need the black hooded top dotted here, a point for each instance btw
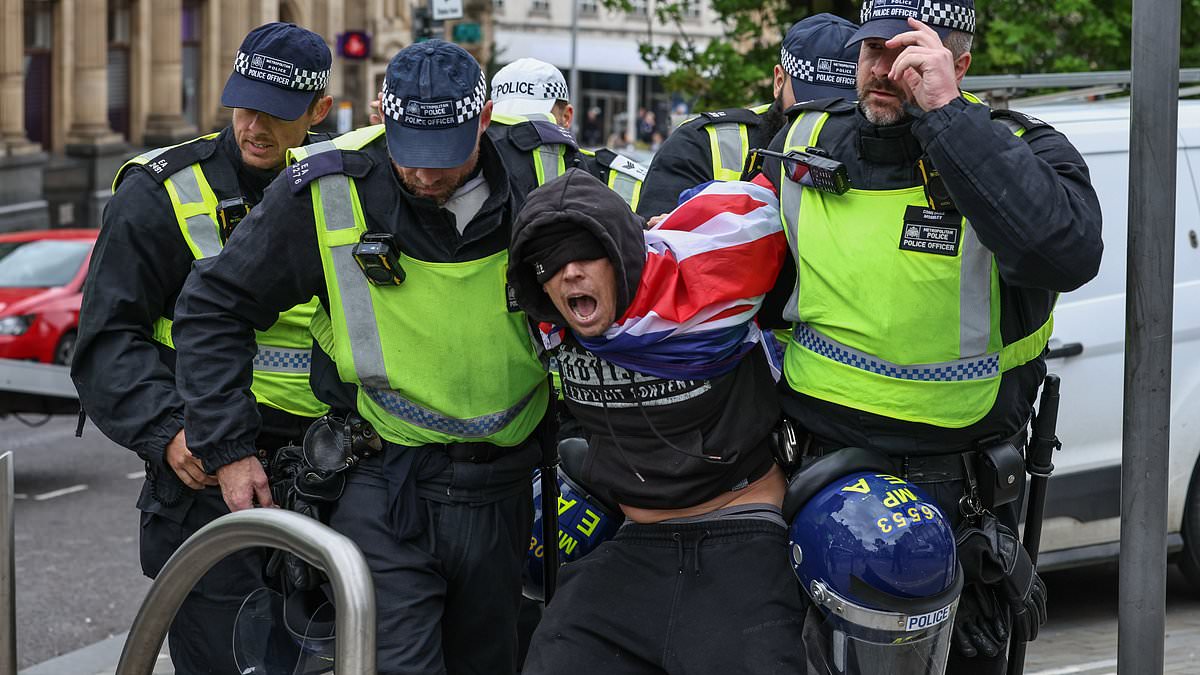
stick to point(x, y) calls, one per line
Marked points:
point(655, 443)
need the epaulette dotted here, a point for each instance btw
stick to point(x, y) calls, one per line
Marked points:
point(1029, 122)
point(166, 163)
point(535, 133)
point(829, 105)
point(615, 161)
point(728, 115)
point(353, 163)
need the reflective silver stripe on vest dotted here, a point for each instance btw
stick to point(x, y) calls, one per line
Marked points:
point(280, 360)
point(791, 195)
point(729, 146)
point(149, 155)
point(420, 416)
point(202, 228)
point(357, 307)
point(548, 158)
point(962, 370)
point(974, 295)
point(625, 186)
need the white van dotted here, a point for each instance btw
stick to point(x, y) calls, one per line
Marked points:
point(1083, 506)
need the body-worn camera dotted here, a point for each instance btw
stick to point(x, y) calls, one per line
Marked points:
point(375, 254)
point(810, 167)
point(230, 212)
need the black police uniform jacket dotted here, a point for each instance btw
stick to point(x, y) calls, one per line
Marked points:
point(125, 379)
point(684, 160)
point(273, 263)
point(1031, 202)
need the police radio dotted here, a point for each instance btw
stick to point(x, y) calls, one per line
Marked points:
point(811, 167)
point(375, 254)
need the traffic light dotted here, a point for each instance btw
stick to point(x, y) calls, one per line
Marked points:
point(354, 44)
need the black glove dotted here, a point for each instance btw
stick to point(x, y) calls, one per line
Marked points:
point(991, 555)
point(297, 487)
point(981, 622)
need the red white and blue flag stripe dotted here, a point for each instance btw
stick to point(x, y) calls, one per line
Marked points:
point(708, 266)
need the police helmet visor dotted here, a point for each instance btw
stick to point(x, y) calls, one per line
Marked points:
point(263, 645)
point(838, 647)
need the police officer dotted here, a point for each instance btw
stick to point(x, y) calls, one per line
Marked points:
point(922, 303)
point(814, 67)
point(401, 232)
point(531, 95)
point(172, 206)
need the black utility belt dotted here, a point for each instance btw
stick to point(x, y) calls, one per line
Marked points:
point(992, 470)
point(475, 453)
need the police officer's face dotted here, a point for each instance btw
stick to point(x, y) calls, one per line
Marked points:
point(881, 99)
point(440, 184)
point(264, 139)
point(585, 293)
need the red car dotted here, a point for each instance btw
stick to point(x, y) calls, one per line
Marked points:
point(41, 288)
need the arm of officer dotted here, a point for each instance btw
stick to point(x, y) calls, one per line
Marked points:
point(138, 264)
point(270, 264)
point(1029, 199)
point(683, 161)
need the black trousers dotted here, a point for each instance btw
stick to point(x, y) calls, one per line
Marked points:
point(694, 599)
point(447, 599)
point(201, 635)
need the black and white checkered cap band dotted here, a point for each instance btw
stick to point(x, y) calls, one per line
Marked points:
point(465, 108)
point(801, 69)
point(298, 78)
point(950, 15)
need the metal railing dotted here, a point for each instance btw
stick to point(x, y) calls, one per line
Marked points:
point(337, 556)
point(8, 568)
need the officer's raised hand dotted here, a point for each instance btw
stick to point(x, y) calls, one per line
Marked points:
point(244, 484)
point(925, 69)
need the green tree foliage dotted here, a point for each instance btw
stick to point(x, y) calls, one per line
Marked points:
point(1014, 36)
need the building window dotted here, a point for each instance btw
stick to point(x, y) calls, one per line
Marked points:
point(589, 7)
point(191, 32)
point(119, 29)
point(639, 8)
point(691, 10)
point(540, 7)
point(498, 6)
point(39, 42)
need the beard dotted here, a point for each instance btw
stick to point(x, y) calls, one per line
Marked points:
point(877, 114)
point(773, 120)
point(444, 189)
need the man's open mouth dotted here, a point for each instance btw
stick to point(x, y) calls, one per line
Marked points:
point(582, 306)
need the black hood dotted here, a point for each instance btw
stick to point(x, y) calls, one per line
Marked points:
point(578, 198)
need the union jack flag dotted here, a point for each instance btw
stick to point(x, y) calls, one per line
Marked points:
point(708, 266)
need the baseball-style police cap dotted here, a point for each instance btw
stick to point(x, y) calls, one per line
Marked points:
point(277, 70)
point(527, 86)
point(817, 59)
point(432, 96)
point(888, 18)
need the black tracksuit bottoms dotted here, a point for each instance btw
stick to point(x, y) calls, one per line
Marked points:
point(713, 597)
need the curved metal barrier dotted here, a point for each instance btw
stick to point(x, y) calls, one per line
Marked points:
point(353, 590)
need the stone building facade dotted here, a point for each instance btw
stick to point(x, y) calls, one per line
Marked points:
point(85, 84)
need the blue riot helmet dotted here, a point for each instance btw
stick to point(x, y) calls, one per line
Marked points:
point(877, 558)
point(584, 521)
point(274, 634)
